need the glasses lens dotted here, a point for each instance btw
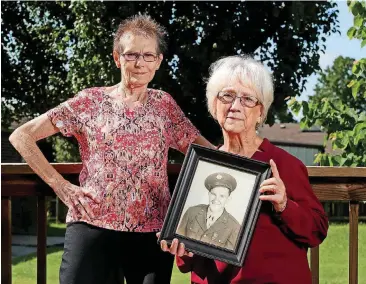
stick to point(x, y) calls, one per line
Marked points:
point(249, 101)
point(130, 56)
point(148, 57)
point(226, 97)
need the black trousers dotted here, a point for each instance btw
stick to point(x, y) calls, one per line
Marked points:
point(94, 255)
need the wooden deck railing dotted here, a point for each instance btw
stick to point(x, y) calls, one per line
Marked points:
point(18, 180)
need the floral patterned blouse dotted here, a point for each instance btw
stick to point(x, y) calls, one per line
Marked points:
point(124, 154)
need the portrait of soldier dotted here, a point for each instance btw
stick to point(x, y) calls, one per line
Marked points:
point(211, 223)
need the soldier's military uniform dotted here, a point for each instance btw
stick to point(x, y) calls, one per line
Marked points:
point(224, 231)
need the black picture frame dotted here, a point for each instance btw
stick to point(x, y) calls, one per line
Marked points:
point(197, 159)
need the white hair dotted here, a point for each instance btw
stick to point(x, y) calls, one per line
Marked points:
point(243, 69)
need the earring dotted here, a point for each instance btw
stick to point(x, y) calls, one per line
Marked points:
point(258, 124)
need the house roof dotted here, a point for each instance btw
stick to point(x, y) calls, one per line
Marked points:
point(292, 134)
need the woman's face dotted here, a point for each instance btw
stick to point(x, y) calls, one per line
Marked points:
point(235, 117)
point(137, 72)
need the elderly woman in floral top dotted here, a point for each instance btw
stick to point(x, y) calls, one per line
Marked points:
point(124, 133)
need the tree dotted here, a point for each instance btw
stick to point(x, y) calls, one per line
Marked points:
point(33, 71)
point(339, 103)
point(62, 47)
point(358, 31)
point(333, 81)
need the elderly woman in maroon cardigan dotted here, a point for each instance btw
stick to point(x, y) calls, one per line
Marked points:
point(239, 94)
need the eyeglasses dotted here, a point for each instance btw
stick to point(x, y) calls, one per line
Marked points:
point(229, 98)
point(148, 57)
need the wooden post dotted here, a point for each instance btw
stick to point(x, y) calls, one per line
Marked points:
point(353, 242)
point(6, 240)
point(41, 241)
point(314, 265)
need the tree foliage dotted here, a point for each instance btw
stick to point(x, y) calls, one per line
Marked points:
point(334, 81)
point(339, 103)
point(358, 31)
point(62, 47)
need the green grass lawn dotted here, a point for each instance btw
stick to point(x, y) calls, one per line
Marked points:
point(57, 230)
point(333, 259)
point(334, 255)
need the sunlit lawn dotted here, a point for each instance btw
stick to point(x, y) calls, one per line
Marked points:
point(333, 260)
point(334, 255)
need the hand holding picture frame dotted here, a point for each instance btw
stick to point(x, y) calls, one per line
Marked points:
point(215, 204)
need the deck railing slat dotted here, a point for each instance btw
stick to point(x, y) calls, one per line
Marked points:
point(5, 239)
point(41, 240)
point(353, 242)
point(314, 264)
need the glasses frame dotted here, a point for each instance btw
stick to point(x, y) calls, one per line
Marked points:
point(138, 55)
point(235, 96)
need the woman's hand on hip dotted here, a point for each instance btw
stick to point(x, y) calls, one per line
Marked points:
point(175, 248)
point(274, 190)
point(77, 198)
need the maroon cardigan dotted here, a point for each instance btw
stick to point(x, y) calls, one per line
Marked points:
point(278, 250)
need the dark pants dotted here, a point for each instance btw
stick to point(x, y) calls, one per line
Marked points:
point(94, 255)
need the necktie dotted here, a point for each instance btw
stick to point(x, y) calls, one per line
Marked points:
point(209, 221)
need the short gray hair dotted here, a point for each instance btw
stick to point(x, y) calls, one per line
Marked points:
point(245, 69)
point(141, 24)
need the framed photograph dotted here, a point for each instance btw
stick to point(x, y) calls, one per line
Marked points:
point(215, 204)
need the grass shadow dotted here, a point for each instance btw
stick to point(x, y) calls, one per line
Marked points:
point(56, 230)
point(31, 256)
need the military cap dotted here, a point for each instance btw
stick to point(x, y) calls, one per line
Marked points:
point(220, 179)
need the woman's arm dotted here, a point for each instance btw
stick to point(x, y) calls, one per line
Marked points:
point(181, 129)
point(302, 218)
point(24, 141)
point(200, 140)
